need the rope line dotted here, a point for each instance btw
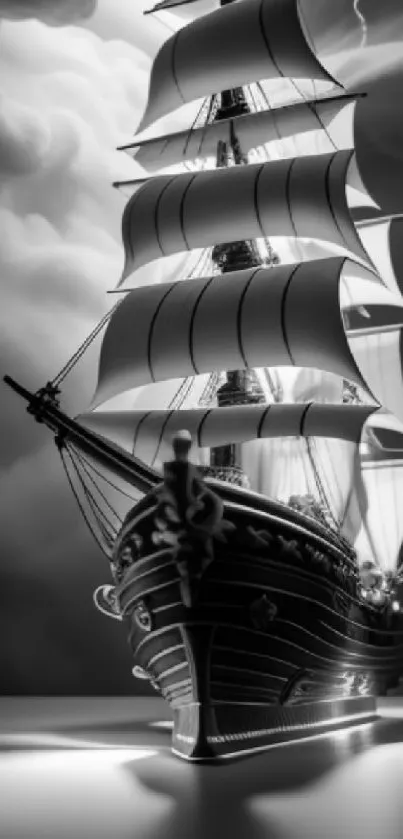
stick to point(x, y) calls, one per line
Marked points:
point(99, 515)
point(86, 470)
point(83, 512)
point(83, 347)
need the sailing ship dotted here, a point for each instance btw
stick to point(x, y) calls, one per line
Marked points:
point(238, 517)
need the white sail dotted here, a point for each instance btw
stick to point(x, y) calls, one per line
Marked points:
point(299, 384)
point(250, 318)
point(384, 433)
point(383, 242)
point(297, 197)
point(380, 361)
point(252, 130)
point(240, 43)
point(381, 535)
point(148, 434)
point(284, 467)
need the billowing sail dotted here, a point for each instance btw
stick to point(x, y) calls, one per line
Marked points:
point(380, 361)
point(148, 434)
point(250, 318)
point(383, 240)
point(381, 535)
point(252, 130)
point(297, 197)
point(284, 467)
point(384, 434)
point(300, 384)
point(240, 43)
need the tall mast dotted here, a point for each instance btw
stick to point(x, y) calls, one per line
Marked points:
point(241, 386)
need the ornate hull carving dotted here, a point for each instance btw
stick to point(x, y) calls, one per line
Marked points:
point(249, 622)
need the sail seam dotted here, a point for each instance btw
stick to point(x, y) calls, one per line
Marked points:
point(156, 213)
point(182, 210)
point(239, 313)
point(152, 327)
point(288, 197)
point(261, 422)
point(200, 428)
point(127, 220)
point(303, 419)
point(192, 321)
point(283, 314)
point(329, 200)
point(255, 200)
point(266, 41)
point(173, 64)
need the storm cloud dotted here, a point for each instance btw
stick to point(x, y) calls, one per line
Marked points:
point(51, 12)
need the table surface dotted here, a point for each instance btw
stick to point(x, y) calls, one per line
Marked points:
point(85, 767)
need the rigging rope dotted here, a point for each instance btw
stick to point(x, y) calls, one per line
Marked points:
point(96, 510)
point(86, 470)
point(63, 452)
point(107, 480)
point(83, 347)
point(311, 106)
point(322, 494)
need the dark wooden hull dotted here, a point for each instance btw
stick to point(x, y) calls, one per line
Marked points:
point(265, 641)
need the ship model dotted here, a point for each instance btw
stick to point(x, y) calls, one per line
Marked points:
point(237, 518)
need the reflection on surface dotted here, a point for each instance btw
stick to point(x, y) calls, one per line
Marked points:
point(70, 780)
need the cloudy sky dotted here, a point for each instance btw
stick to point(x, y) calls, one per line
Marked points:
point(74, 83)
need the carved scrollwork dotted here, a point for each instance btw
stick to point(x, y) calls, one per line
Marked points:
point(258, 538)
point(129, 552)
point(106, 601)
point(262, 612)
point(188, 518)
point(143, 616)
point(140, 673)
point(318, 558)
point(288, 549)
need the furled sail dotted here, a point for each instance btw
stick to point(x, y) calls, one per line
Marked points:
point(252, 130)
point(148, 434)
point(289, 315)
point(297, 197)
point(240, 43)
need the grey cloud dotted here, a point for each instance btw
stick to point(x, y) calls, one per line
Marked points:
point(52, 12)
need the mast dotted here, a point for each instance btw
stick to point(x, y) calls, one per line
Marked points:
point(241, 386)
